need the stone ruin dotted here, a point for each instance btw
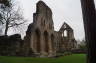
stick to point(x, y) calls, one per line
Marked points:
point(41, 39)
point(11, 45)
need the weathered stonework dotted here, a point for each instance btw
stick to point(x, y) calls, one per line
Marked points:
point(11, 45)
point(41, 37)
point(66, 41)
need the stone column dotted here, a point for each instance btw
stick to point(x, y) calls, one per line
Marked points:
point(51, 51)
point(33, 43)
point(42, 46)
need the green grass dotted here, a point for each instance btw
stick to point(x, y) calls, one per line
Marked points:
point(75, 58)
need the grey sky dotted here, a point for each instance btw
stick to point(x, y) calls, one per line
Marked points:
point(63, 11)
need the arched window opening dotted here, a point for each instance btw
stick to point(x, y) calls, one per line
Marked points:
point(46, 41)
point(37, 40)
point(65, 33)
point(44, 22)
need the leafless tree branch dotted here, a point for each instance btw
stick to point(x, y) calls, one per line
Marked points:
point(11, 17)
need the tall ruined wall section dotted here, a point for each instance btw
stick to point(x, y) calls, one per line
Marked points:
point(40, 33)
point(41, 39)
point(43, 16)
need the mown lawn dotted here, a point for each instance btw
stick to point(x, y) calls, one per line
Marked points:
point(75, 58)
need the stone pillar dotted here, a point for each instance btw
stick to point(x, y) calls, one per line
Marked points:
point(33, 42)
point(42, 46)
point(51, 51)
point(89, 17)
point(63, 34)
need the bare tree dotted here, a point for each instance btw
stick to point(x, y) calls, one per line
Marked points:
point(5, 2)
point(11, 16)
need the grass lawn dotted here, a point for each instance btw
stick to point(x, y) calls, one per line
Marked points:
point(75, 58)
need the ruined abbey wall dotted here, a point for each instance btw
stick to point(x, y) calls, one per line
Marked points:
point(41, 34)
point(41, 37)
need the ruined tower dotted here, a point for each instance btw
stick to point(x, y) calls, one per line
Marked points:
point(40, 33)
point(41, 39)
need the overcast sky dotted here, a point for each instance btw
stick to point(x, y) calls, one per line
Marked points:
point(63, 11)
point(68, 11)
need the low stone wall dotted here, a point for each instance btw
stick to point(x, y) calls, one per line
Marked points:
point(10, 45)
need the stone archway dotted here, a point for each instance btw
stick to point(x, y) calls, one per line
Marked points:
point(37, 40)
point(46, 41)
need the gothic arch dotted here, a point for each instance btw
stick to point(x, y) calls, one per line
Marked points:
point(37, 40)
point(46, 41)
point(65, 33)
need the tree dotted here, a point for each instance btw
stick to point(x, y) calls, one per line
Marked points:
point(82, 45)
point(89, 17)
point(5, 2)
point(11, 16)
